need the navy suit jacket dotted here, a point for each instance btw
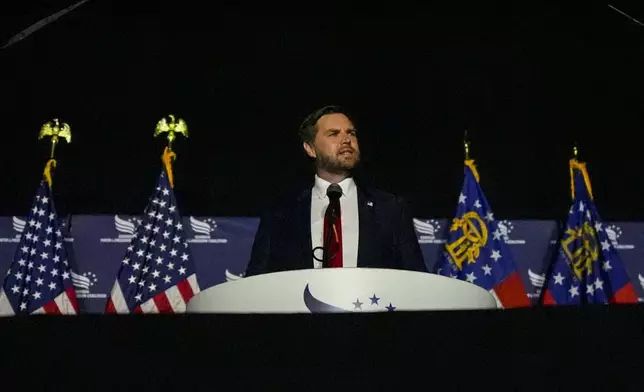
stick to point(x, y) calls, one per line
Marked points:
point(386, 235)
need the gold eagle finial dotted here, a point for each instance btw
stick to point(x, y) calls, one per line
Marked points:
point(171, 126)
point(56, 130)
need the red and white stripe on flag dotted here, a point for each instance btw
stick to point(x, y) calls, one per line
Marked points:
point(173, 300)
point(64, 304)
point(510, 293)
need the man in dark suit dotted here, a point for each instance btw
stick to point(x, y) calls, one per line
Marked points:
point(337, 222)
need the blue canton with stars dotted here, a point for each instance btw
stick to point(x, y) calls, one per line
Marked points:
point(40, 271)
point(475, 250)
point(158, 256)
point(588, 268)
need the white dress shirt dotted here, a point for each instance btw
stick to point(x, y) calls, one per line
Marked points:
point(349, 216)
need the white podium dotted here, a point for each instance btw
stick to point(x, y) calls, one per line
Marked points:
point(341, 290)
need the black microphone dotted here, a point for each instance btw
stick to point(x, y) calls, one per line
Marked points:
point(334, 191)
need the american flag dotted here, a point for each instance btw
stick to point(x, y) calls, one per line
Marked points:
point(476, 250)
point(39, 278)
point(157, 273)
point(588, 268)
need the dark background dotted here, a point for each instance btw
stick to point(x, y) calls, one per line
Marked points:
point(527, 80)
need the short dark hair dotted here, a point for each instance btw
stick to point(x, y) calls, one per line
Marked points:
point(309, 129)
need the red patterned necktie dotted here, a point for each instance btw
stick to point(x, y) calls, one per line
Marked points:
point(335, 239)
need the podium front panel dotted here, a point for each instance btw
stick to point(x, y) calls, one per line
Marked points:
point(341, 290)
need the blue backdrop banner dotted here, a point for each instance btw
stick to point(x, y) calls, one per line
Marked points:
point(221, 249)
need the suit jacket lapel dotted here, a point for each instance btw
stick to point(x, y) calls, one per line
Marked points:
point(368, 229)
point(303, 226)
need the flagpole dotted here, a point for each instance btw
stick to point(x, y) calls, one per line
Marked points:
point(60, 297)
point(171, 126)
point(55, 130)
point(466, 144)
point(164, 212)
point(583, 297)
